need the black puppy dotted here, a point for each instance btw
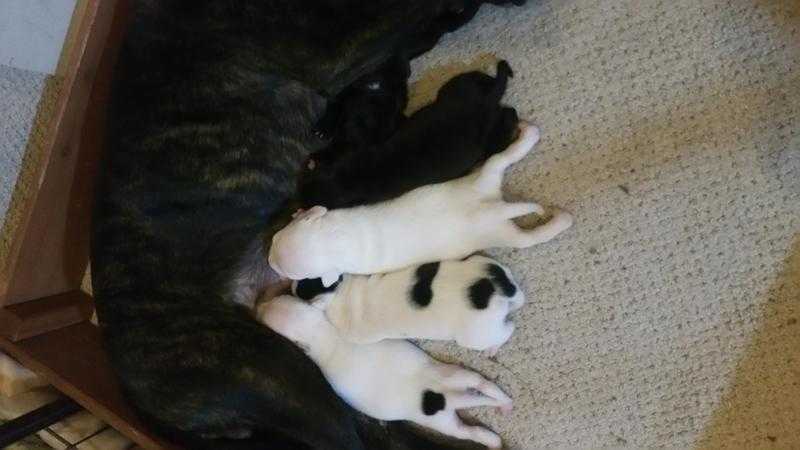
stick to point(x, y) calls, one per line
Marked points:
point(366, 113)
point(442, 141)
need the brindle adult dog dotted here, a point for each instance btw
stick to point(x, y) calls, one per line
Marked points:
point(214, 110)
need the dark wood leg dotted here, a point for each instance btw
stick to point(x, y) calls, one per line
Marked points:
point(36, 420)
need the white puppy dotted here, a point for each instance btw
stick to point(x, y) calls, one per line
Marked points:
point(389, 380)
point(441, 221)
point(467, 301)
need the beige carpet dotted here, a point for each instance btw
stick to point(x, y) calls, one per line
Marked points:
point(20, 92)
point(668, 317)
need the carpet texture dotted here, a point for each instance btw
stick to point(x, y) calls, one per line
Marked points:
point(668, 316)
point(28, 106)
point(20, 91)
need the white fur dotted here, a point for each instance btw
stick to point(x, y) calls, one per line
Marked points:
point(367, 309)
point(442, 221)
point(386, 380)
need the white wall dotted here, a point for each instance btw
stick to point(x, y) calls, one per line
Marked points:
point(32, 33)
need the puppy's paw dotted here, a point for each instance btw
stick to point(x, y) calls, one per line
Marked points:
point(506, 409)
point(493, 441)
point(562, 220)
point(528, 132)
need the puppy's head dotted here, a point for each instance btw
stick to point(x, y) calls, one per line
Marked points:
point(304, 249)
point(293, 319)
point(493, 280)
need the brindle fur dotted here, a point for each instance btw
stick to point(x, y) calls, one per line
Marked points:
point(214, 111)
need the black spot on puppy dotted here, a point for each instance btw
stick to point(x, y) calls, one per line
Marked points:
point(427, 271)
point(480, 292)
point(422, 292)
point(432, 402)
point(501, 280)
point(310, 288)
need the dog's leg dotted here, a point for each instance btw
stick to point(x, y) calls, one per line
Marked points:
point(470, 399)
point(470, 389)
point(490, 176)
point(512, 236)
point(505, 211)
point(458, 378)
point(447, 422)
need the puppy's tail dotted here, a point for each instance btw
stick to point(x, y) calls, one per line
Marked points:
point(504, 72)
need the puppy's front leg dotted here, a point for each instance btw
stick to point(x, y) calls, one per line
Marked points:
point(447, 422)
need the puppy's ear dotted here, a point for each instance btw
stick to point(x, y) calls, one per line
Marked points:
point(329, 278)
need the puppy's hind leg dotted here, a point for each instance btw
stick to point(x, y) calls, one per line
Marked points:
point(457, 378)
point(505, 211)
point(518, 238)
point(447, 422)
point(472, 399)
point(490, 175)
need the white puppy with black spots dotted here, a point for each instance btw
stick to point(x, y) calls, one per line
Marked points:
point(441, 221)
point(463, 300)
point(388, 380)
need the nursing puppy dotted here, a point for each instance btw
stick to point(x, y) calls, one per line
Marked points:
point(443, 221)
point(442, 141)
point(467, 301)
point(389, 380)
point(365, 114)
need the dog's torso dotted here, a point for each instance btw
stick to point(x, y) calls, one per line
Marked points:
point(435, 222)
point(448, 220)
point(467, 301)
point(388, 380)
point(384, 380)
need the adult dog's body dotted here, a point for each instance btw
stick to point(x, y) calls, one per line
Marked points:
point(214, 112)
